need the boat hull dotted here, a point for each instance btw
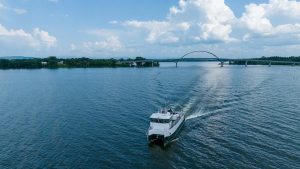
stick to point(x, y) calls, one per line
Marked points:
point(156, 139)
point(162, 140)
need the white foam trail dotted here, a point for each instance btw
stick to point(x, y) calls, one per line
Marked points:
point(202, 114)
point(189, 105)
point(196, 115)
point(174, 140)
point(193, 116)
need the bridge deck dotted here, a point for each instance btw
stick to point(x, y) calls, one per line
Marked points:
point(210, 60)
point(214, 59)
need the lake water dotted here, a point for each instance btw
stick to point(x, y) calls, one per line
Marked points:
point(237, 117)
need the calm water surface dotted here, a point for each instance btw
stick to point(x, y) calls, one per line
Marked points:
point(237, 117)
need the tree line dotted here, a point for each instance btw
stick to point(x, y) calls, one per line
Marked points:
point(272, 58)
point(54, 62)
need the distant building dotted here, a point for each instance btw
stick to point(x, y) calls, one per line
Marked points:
point(133, 64)
point(60, 62)
point(44, 63)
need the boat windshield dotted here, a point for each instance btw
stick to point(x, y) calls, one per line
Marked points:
point(155, 120)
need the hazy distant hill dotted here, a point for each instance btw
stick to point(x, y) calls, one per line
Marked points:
point(16, 57)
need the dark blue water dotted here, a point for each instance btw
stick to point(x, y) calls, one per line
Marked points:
point(237, 117)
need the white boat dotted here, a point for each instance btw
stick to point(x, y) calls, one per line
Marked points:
point(164, 126)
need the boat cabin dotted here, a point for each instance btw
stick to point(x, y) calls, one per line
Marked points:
point(169, 117)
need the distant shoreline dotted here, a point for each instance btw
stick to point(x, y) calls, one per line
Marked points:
point(274, 60)
point(54, 63)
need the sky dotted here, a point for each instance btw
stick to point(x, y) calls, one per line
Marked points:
point(153, 29)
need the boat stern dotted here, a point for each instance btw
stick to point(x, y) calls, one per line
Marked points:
point(156, 135)
point(156, 138)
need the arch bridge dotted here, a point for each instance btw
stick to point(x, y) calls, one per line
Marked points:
point(214, 58)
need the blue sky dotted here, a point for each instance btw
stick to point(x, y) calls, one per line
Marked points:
point(128, 28)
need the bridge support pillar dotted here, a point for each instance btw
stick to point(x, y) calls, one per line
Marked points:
point(176, 64)
point(270, 63)
point(246, 63)
point(222, 64)
point(152, 64)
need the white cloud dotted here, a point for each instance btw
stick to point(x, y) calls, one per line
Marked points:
point(287, 8)
point(194, 24)
point(255, 19)
point(104, 33)
point(8, 36)
point(189, 25)
point(158, 30)
point(36, 40)
point(19, 11)
point(201, 20)
point(111, 44)
point(274, 18)
point(44, 37)
point(213, 18)
point(6, 32)
point(212, 22)
point(184, 26)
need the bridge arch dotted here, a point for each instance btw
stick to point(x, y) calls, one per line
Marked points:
point(199, 51)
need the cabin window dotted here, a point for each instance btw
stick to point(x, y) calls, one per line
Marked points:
point(154, 120)
point(174, 122)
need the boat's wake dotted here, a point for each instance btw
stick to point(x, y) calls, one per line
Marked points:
point(174, 140)
point(209, 95)
point(195, 115)
point(206, 99)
